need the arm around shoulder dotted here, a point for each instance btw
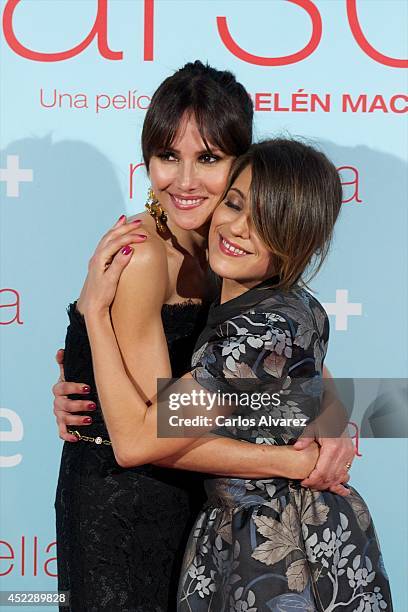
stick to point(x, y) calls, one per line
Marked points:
point(136, 316)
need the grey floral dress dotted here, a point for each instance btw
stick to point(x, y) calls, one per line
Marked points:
point(272, 545)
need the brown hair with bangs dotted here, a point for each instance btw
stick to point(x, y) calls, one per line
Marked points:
point(220, 105)
point(296, 197)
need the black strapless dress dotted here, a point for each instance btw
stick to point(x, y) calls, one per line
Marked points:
point(121, 532)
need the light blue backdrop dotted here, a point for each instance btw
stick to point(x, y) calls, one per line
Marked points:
point(79, 184)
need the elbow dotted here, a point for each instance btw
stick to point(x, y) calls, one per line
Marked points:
point(133, 453)
point(128, 461)
point(127, 458)
point(122, 460)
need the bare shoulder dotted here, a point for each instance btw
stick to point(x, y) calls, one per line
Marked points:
point(147, 272)
point(147, 226)
point(151, 252)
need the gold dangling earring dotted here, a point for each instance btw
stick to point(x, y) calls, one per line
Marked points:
point(156, 211)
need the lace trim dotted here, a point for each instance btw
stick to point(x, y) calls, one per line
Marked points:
point(169, 313)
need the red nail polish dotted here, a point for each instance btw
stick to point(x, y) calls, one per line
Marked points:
point(121, 217)
point(92, 406)
point(141, 235)
point(127, 250)
point(87, 420)
point(86, 389)
point(137, 221)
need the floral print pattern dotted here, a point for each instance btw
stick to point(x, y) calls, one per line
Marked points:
point(271, 545)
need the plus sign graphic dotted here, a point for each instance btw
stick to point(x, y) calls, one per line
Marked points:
point(13, 175)
point(342, 309)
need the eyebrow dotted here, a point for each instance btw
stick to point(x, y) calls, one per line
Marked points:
point(214, 151)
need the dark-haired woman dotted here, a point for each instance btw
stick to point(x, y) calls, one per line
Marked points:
point(258, 544)
point(121, 531)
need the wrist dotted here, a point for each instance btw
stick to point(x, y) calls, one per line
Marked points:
point(297, 463)
point(96, 313)
point(293, 463)
point(274, 461)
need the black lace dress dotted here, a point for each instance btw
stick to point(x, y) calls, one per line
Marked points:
point(121, 532)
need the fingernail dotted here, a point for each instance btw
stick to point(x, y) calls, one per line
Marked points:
point(92, 406)
point(127, 250)
point(141, 236)
point(136, 221)
point(122, 217)
point(87, 420)
point(86, 389)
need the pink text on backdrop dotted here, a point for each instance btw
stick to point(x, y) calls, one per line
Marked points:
point(363, 104)
point(353, 183)
point(14, 304)
point(23, 558)
point(356, 438)
point(345, 181)
point(300, 101)
point(100, 32)
point(101, 101)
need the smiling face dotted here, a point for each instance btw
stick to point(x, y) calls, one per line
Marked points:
point(236, 251)
point(188, 179)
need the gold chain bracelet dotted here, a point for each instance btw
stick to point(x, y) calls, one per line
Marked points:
point(97, 440)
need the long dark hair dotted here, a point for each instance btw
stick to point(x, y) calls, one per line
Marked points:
point(219, 104)
point(296, 197)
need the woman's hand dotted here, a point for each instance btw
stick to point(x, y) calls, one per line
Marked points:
point(331, 470)
point(65, 408)
point(111, 256)
point(336, 454)
point(302, 462)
